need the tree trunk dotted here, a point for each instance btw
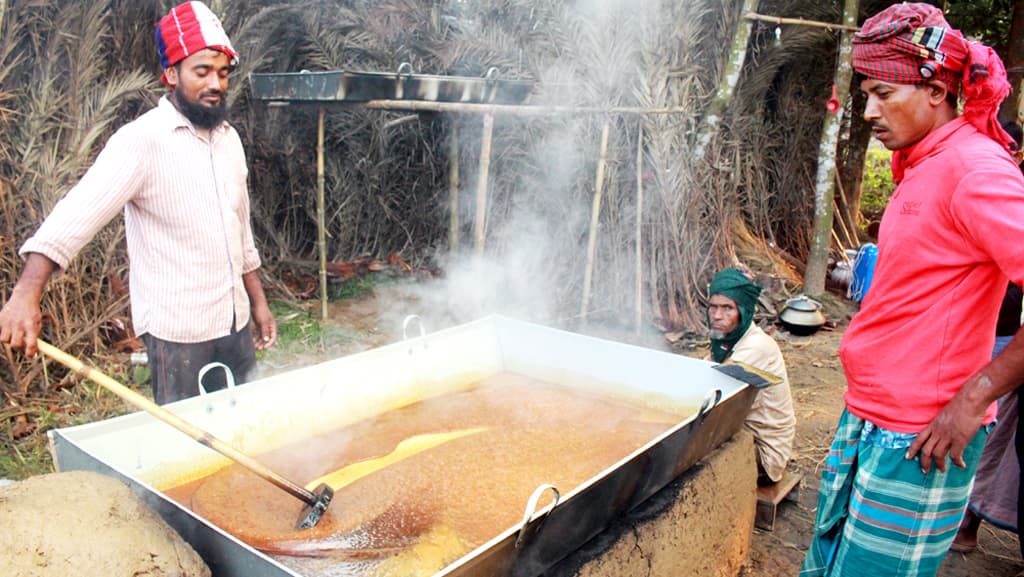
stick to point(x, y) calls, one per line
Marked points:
point(825, 183)
point(1013, 108)
point(730, 77)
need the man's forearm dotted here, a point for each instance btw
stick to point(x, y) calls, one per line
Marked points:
point(35, 275)
point(254, 288)
point(1004, 374)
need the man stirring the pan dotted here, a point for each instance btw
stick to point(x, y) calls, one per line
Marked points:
point(179, 174)
point(921, 385)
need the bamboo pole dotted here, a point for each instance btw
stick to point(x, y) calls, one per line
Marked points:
point(849, 243)
point(595, 213)
point(841, 207)
point(481, 186)
point(799, 22)
point(639, 305)
point(453, 190)
point(321, 232)
point(202, 437)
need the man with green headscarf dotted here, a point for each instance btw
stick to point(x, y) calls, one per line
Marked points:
point(734, 336)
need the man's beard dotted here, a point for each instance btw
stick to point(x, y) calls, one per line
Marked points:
point(201, 115)
point(716, 334)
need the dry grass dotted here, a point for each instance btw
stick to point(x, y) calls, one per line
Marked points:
point(70, 73)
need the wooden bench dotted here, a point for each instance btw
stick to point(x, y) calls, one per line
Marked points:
point(769, 497)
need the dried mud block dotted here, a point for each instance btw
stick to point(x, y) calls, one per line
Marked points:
point(700, 525)
point(87, 524)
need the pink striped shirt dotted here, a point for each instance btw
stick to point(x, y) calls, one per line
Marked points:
point(186, 211)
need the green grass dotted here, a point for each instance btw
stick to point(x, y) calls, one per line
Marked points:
point(25, 459)
point(877, 186)
point(85, 402)
point(301, 337)
point(360, 286)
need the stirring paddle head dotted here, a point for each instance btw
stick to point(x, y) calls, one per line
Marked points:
point(312, 512)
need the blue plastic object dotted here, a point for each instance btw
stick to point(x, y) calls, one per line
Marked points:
point(863, 270)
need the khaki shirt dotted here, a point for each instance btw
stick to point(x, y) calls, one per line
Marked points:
point(772, 420)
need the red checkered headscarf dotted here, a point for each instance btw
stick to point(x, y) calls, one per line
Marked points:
point(911, 43)
point(188, 28)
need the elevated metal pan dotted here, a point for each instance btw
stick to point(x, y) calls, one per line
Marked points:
point(356, 86)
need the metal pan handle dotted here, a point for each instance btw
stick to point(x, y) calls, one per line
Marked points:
point(531, 509)
point(228, 375)
point(408, 321)
point(710, 402)
point(405, 329)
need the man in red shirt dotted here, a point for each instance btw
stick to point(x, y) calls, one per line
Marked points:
point(916, 357)
point(178, 174)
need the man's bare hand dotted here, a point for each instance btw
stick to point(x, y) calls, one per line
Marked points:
point(264, 328)
point(21, 321)
point(952, 429)
point(20, 324)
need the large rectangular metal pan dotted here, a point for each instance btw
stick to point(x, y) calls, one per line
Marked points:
point(289, 407)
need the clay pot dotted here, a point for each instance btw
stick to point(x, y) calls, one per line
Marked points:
point(802, 315)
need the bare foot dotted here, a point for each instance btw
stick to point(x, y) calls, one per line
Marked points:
point(966, 539)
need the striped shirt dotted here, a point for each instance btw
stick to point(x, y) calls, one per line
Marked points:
point(186, 210)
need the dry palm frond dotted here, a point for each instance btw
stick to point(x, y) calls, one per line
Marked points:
point(65, 101)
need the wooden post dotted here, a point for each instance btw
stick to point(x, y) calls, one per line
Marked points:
point(453, 190)
point(595, 213)
point(321, 232)
point(481, 186)
point(639, 306)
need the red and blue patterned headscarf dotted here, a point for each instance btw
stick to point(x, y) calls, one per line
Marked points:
point(188, 28)
point(911, 43)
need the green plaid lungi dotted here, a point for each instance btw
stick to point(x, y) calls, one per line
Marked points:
point(878, 514)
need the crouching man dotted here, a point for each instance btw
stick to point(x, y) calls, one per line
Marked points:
point(735, 337)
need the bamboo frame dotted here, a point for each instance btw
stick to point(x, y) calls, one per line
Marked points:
point(321, 227)
point(480, 223)
point(595, 220)
point(453, 189)
point(480, 220)
point(638, 310)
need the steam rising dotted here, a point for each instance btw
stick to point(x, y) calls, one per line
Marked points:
point(541, 187)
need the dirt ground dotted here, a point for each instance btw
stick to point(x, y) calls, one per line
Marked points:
point(817, 383)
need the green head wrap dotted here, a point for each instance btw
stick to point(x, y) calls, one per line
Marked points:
point(734, 284)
